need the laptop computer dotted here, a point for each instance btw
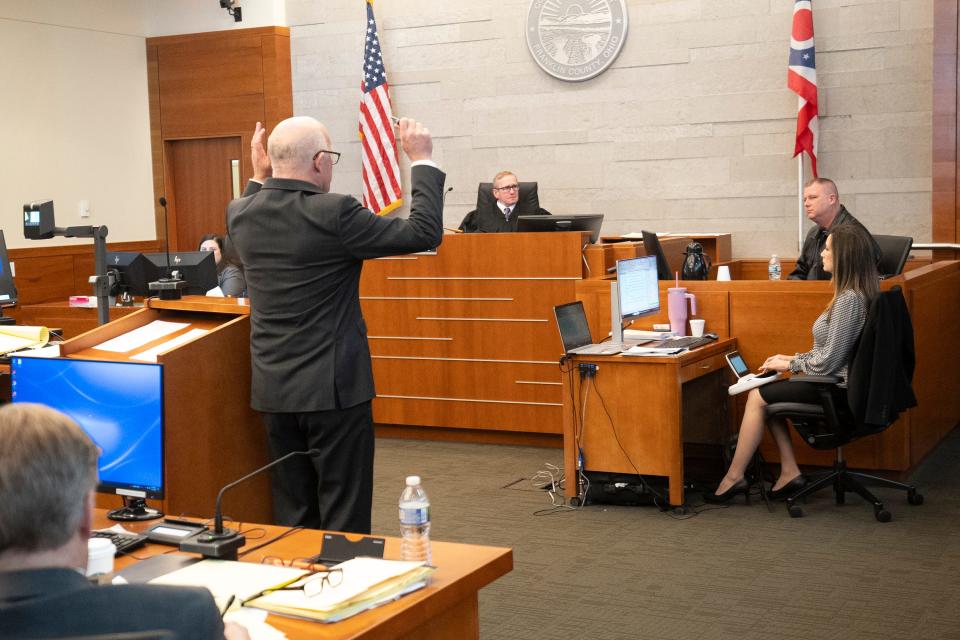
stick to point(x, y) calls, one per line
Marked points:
point(575, 332)
point(745, 379)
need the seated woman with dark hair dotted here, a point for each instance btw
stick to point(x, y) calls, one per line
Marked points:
point(229, 272)
point(849, 256)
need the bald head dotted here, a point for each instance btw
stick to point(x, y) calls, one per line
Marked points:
point(292, 147)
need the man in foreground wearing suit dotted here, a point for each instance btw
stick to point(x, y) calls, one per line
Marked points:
point(302, 249)
point(48, 472)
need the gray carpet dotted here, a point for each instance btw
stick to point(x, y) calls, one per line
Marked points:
point(611, 572)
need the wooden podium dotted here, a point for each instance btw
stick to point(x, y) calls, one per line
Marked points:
point(211, 436)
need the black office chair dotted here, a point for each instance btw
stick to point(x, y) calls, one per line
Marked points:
point(528, 204)
point(894, 251)
point(878, 389)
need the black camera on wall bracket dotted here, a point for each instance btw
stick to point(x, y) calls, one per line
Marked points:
point(38, 222)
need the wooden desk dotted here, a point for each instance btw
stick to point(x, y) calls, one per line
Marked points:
point(645, 398)
point(447, 608)
point(770, 317)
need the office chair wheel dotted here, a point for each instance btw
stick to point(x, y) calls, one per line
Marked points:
point(575, 501)
point(914, 498)
point(882, 515)
point(795, 511)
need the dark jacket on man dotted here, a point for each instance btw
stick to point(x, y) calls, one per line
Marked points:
point(302, 252)
point(810, 264)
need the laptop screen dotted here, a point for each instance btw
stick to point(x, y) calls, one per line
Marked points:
point(572, 322)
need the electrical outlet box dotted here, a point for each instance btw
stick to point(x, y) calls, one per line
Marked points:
point(588, 368)
point(84, 208)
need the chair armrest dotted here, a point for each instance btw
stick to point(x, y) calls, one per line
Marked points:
point(816, 379)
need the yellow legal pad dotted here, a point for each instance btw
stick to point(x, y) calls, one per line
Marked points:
point(13, 337)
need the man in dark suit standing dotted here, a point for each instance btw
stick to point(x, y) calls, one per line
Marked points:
point(48, 471)
point(302, 249)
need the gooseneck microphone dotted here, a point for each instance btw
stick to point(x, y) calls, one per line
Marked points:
point(170, 286)
point(445, 192)
point(223, 543)
point(166, 226)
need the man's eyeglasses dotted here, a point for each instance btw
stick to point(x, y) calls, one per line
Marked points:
point(334, 155)
point(508, 187)
point(311, 585)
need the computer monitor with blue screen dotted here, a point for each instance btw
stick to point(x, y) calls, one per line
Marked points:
point(120, 406)
point(637, 293)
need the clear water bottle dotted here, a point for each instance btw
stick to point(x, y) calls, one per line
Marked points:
point(773, 268)
point(415, 522)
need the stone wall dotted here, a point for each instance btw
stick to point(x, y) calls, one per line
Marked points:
point(691, 129)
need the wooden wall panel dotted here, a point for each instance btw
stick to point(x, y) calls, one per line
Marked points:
point(945, 130)
point(934, 299)
point(46, 274)
point(214, 85)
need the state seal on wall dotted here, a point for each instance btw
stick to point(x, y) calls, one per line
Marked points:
point(575, 40)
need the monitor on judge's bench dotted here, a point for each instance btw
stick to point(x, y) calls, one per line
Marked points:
point(587, 222)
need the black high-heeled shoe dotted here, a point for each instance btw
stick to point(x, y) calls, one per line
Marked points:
point(740, 486)
point(788, 489)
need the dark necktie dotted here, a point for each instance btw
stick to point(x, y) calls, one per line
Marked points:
point(506, 213)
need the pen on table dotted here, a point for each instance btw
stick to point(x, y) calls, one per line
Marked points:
point(229, 604)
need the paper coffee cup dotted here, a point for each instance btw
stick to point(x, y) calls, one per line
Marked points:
point(696, 327)
point(100, 552)
point(723, 272)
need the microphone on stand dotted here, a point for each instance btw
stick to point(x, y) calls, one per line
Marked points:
point(166, 225)
point(443, 201)
point(170, 286)
point(223, 543)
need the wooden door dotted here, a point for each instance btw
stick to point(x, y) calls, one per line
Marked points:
point(202, 175)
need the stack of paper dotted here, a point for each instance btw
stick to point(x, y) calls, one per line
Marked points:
point(367, 583)
point(225, 578)
point(13, 337)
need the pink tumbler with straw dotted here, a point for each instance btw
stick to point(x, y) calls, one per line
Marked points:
point(677, 309)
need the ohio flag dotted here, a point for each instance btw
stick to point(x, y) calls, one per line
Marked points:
point(802, 80)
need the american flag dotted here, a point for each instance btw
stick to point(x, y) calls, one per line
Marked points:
point(381, 170)
point(802, 80)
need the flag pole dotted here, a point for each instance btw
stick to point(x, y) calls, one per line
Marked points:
point(800, 213)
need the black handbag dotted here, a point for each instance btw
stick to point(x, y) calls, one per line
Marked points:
point(696, 264)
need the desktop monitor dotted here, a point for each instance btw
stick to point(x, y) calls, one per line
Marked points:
point(135, 272)
point(588, 222)
point(120, 406)
point(637, 287)
point(652, 245)
point(197, 268)
point(8, 290)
